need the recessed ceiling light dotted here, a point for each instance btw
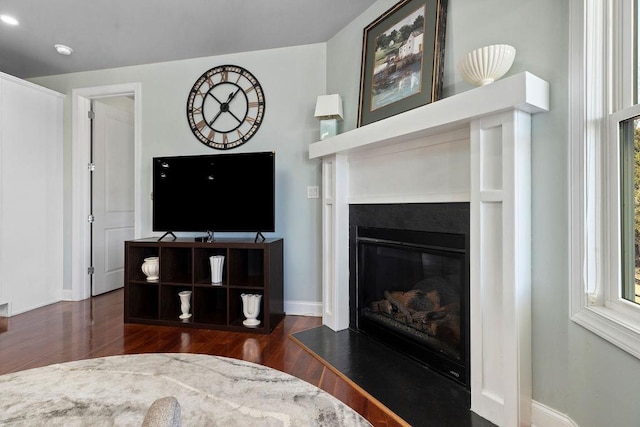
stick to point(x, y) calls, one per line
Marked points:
point(9, 20)
point(63, 50)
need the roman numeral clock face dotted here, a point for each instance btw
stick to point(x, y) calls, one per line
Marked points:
point(225, 107)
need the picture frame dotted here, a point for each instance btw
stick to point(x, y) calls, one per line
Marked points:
point(402, 59)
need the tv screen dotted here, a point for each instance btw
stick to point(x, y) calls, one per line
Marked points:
point(221, 192)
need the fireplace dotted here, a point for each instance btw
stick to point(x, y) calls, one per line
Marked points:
point(410, 281)
point(472, 147)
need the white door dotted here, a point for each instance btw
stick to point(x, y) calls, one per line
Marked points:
point(112, 194)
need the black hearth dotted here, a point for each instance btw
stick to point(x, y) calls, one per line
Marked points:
point(410, 281)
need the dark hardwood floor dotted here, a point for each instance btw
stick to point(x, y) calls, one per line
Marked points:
point(68, 331)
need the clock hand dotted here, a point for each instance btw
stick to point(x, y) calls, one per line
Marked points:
point(225, 107)
point(215, 118)
point(233, 95)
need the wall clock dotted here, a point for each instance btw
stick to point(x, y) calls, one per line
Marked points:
point(225, 107)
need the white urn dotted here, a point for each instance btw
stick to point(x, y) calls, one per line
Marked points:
point(151, 268)
point(185, 304)
point(251, 309)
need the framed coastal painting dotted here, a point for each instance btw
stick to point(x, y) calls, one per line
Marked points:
point(402, 59)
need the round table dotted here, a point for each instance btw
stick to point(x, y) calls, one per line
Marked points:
point(211, 391)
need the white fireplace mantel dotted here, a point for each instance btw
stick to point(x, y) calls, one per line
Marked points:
point(473, 147)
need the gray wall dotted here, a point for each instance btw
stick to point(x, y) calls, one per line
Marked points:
point(291, 78)
point(574, 371)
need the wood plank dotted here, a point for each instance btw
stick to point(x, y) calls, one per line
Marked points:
point(69, 331)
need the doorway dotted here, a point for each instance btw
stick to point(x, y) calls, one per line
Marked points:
point(80, 252)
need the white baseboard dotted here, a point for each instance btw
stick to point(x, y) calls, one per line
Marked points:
point(4, 309)
point(12, 312)
point(544, 416)
point(303, 308)
point(67, 295)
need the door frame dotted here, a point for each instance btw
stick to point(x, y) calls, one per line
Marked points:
point(80, 183)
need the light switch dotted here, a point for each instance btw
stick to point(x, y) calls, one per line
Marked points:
point(313, 192)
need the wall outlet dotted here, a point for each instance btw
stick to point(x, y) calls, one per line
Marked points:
point(313, 192)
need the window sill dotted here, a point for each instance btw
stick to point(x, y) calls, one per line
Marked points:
point(618, 328)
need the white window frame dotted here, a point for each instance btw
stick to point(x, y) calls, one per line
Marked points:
point(601, 96)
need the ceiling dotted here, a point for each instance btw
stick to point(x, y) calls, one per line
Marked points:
point(118, 33)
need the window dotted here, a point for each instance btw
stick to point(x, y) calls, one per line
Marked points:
point(605, 170)
point(630, 209)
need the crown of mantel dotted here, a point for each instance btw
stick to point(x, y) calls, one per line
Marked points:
point(525, 92)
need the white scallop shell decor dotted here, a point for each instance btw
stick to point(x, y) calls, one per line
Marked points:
point(487, 64)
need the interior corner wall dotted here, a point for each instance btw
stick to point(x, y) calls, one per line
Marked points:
point(574, 371)
point(291, 78)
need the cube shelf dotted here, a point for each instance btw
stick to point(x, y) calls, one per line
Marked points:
point(249, 267)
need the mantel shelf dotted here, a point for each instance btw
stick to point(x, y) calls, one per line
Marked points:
point(525, 92)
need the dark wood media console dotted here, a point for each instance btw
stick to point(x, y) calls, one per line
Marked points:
point(253, 268)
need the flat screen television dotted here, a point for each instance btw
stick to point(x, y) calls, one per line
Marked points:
point(214, 193)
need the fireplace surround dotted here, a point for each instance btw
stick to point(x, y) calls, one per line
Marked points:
point(409, 281)
point(472, 147)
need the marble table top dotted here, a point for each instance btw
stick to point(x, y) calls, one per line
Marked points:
point(211, 391)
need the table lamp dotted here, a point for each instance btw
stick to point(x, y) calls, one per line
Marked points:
point(328, 111)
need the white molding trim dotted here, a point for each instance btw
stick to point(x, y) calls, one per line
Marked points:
point(611, 325)
point(10, 312)
point(335, 241)
point(496, 161)
point(303, 308)
point(80, 154)
point(524, 92)
point(593, 249)
point(544, 416)
point(67, 295)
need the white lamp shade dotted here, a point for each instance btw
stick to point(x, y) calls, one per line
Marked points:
point(329, 107)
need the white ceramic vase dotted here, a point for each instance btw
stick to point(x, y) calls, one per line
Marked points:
point(217, 265)
point(185, 304)
point(151, 268)
point(487, 64)
point(251, 309)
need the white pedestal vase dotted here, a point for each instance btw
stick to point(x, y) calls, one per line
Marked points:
point(217, 265)
point(151, 268)
point(185, 304)
point(251, 309)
